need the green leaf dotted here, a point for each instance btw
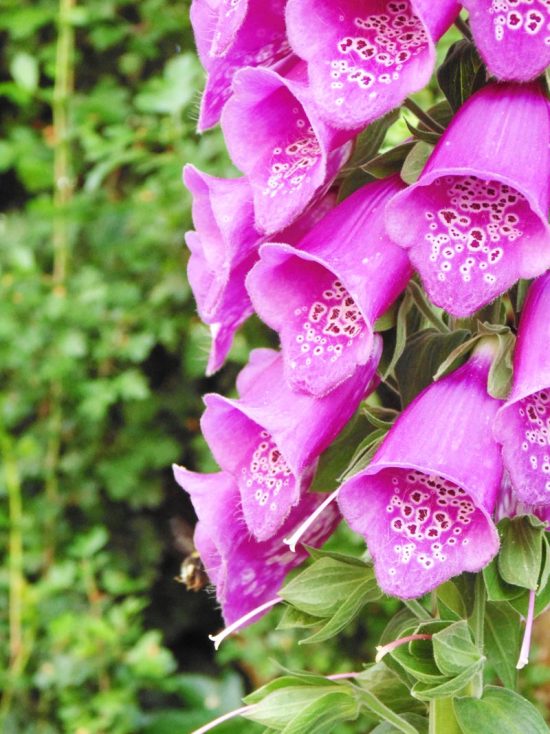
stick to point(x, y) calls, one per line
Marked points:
point(450, 600)
point(317, 553)
point(499, 710)
point(294, 618)
point(420, 723)
point(521, 553)
point(388, 687)
point(421, 133)
point(454, 649)
point(363, 592)
point(321, 589)
point(400, 332)
point(502, 640)
point(414, 163)
point(385, 713)
point(322, 714)
point(287, 682)
point(390, 162)
point(458, 75)
point(447, 688)
point(364, 453)
point(497, 588)
point(24, 70)
point(422, 357)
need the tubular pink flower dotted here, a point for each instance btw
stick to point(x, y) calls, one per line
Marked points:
point(512, 36)
point(365, 57)
point(275, 136)
point(324, 295)
point(230, 36)
point(245, 572)
point(223, 249)
point(424, 503)
point(522, 425)
point(271, 437)
point(476, 220)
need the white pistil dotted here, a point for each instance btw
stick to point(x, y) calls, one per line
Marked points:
point(220, 637)
point(295, 537)
point(221, 719)
point(526, 644)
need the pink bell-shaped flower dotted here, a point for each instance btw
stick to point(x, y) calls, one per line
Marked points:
point(324, 295)
point(231, 35)
point(475, 222)
point(270, 438)
point(275, 136)
point(424, 503)
point(512, 36)
point(365, 56)
point(522, 425)
point(247, 574)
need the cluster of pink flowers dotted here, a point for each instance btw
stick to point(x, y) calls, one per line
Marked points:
point(293, 83)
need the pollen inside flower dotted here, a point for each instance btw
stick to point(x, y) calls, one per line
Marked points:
point(527, 448)
point(264, 475)
point(468, 240)
point(375, 47)
point(512, 17)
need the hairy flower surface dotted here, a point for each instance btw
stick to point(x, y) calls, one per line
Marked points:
point(324, 295)
point(364, 57)
point(476, 220)
point(275, 136)
point(513, 36)
point(245, 572)
point(522, 425)
point(270, 438)
point(424, 503)
point(231, 35)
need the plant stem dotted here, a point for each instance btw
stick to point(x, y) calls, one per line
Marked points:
point(464, 28)
point(442, 717)
point(63, 182)
point(428, 121)
point(478, 624)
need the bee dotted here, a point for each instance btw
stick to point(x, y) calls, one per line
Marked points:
point(192, 573)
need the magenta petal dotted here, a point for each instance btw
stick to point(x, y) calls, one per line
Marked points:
point(522, 426)
point(425, 501)
point(324, 295)
point(246, 573)
point(476, 220)
point(230, 36)
point(365, 57)
point(274, 135)
point(513, 37)
point(270, 438)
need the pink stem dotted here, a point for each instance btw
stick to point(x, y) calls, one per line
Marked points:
point(221, 719)
point(526, 644)
point(383, 650)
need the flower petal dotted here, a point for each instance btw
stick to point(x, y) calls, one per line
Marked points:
point(476, 220)
point(512, 37)
point(324, 295)
point(365, 57)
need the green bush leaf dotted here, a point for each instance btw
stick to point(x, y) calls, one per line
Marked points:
point(521, 553)
point(502, 640)
point(499, 710)
point(459, 74)
point(454, 649)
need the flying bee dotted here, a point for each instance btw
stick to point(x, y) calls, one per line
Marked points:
point(192, 573)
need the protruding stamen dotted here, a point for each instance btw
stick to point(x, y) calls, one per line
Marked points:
point(221, 719)
point(342, 676)
point(526, 644)
point(295, 537)
point(220, 637)
point(383, 650)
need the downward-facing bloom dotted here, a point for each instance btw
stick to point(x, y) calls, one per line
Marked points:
point(522, 425)
point(224, 247)
point(424, 502)
point(365, 57)
point(245, 572)
point(324, 295)
point(231, 35)
point(513, 36)
point(270, 438)
point(476, 220)
point(275, 136)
